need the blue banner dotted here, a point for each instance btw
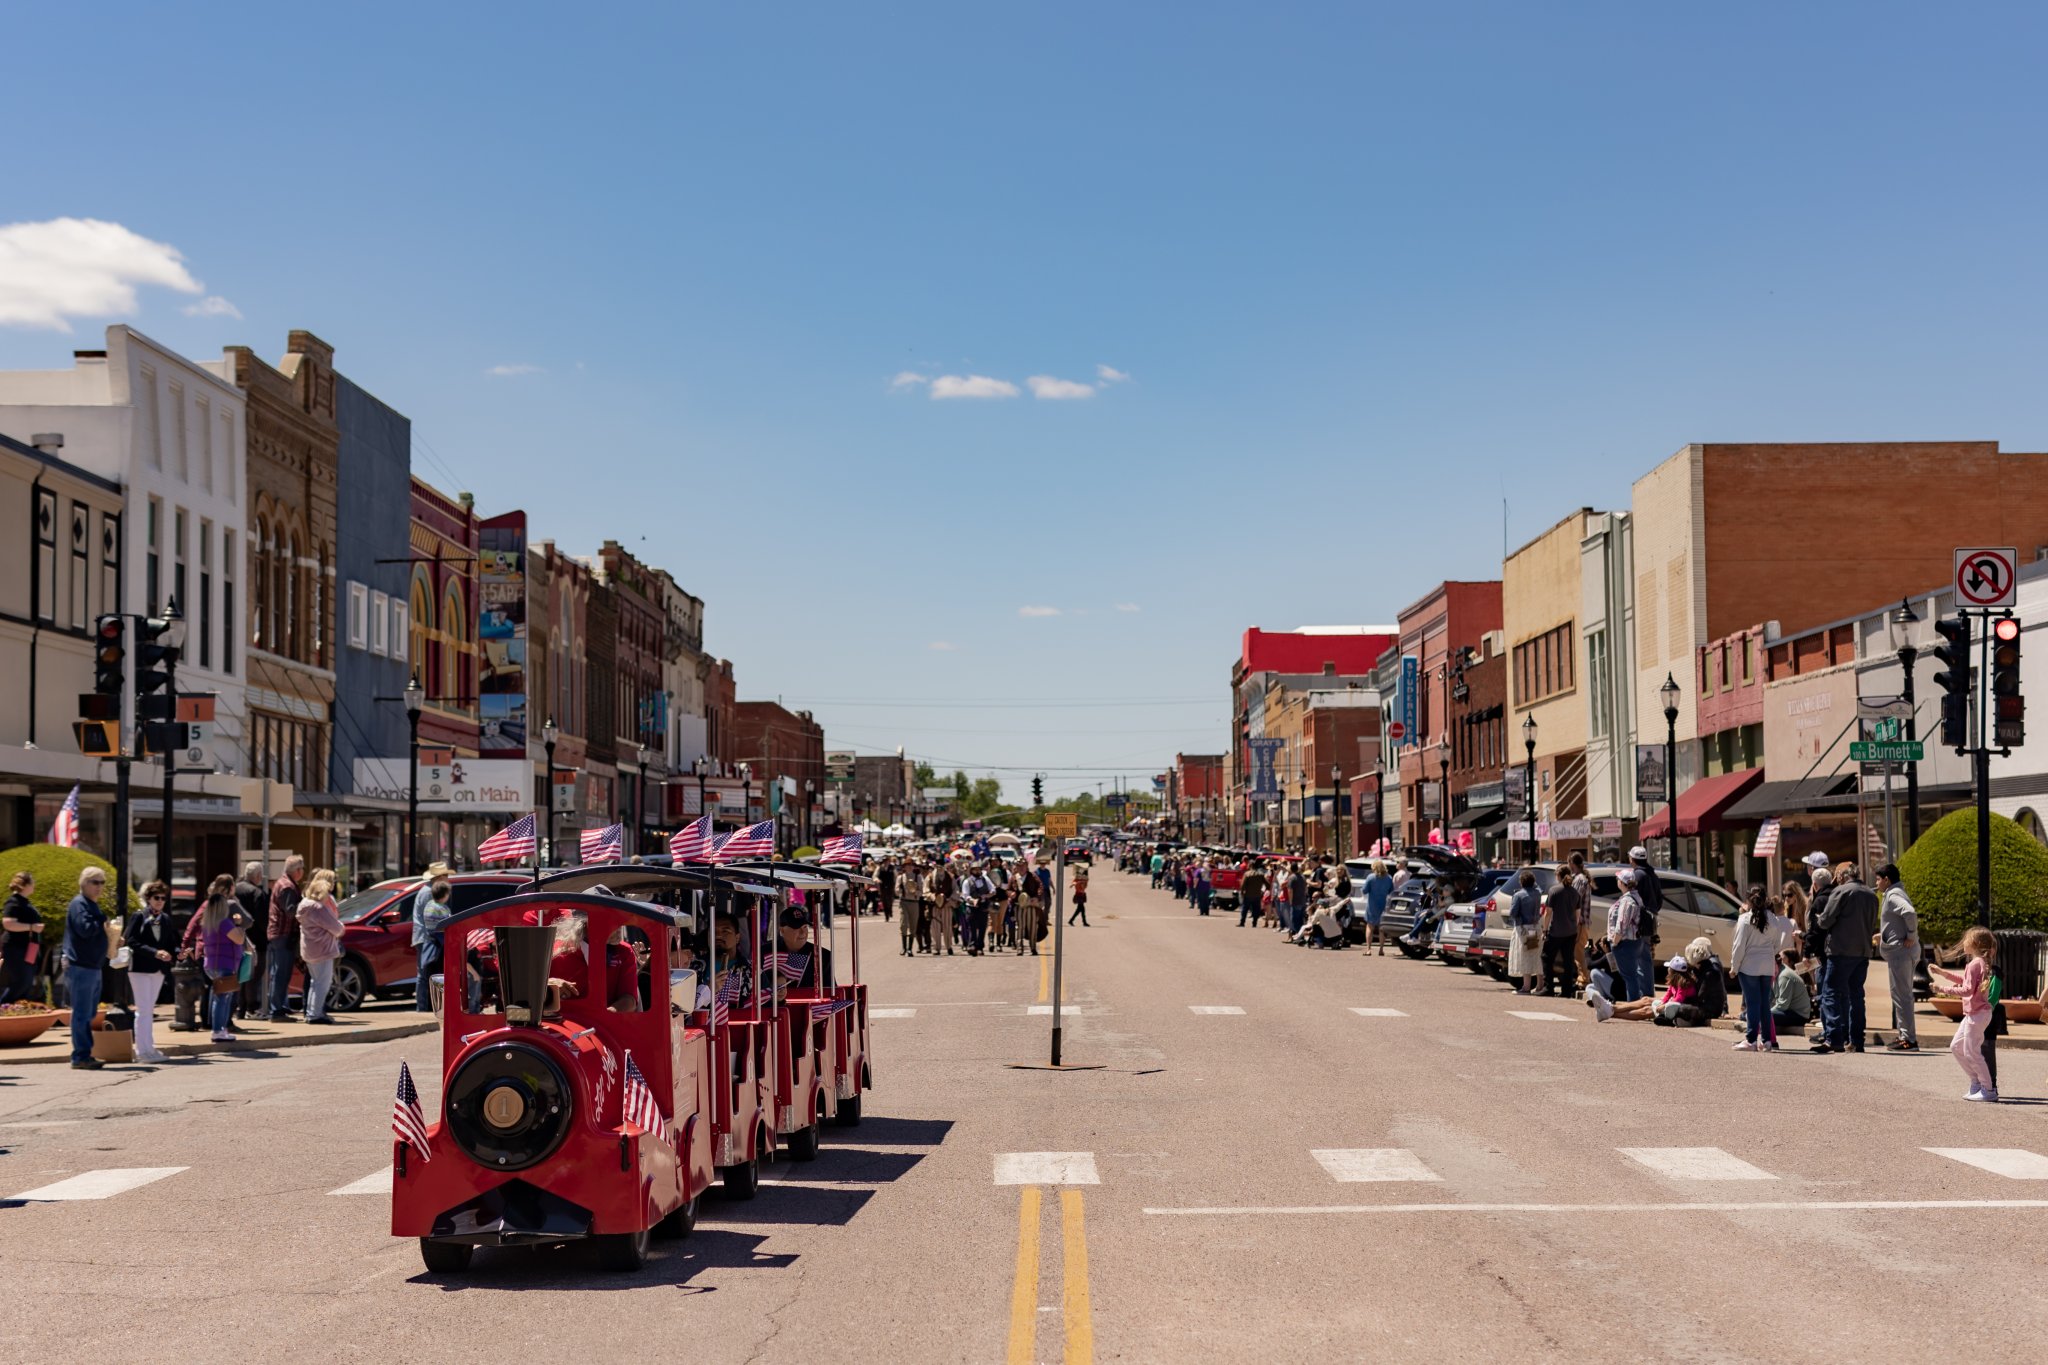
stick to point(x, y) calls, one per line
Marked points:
point(1411, 687)
point(1264, 785)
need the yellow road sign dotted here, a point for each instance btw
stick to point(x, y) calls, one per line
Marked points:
point(1062, 824)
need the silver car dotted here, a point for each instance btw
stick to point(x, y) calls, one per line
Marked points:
point(1693, 908)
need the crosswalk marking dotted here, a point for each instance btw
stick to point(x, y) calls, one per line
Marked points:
point(2014, 1163)
point(1694, 1163)
point(892, 1014)
point(376, 1182)
point(1376, 1012)
point(1046, 1168)
point(1047, 1009)
point(1216, 1009)
point(1543, 1016)
point(99, 1184)
point(1359, 1165)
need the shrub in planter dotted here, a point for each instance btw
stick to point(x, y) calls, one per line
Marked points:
point(1940, 873)
point(56, 872)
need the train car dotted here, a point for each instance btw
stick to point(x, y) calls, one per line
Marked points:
point(576, 1103)
point(837, 1003)
point(747, 1034)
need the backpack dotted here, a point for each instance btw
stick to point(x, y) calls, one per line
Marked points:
point(1713, 996)
point(1650, 892)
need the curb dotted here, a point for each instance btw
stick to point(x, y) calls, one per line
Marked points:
point(2011, 1042)
point(379, 1034)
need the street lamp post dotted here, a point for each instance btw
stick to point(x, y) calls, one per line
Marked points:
point(548, 736)
point(701, 766)
point(1669, 692)
point(639, 800)
point(1302, 787)
point(415, 696)
point(810, 810)
point(1443, 786)
point(1337, 811)
point(746, 794)
point(1529, 783)
point(1902, 622)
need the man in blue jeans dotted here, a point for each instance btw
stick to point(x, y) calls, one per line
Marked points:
point(283, 938)
point(85, 957)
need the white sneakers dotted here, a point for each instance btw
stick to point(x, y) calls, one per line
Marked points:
point(1745, 1046)
point(1982, 1096)
point(1602, 1008)
point(153, 1058)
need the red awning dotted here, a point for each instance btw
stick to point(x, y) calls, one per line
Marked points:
point(1701, 804)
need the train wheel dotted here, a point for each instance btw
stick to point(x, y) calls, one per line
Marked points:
point(681, 1223)
point(803, 1144)
point(445, 1258)
point(742, 1181)
point(622, 1250)
point(849, 1113)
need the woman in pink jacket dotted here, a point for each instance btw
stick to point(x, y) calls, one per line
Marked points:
point(319, 943)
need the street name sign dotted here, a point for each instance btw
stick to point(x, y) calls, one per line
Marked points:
point(1892, 751)
point(1987, 577)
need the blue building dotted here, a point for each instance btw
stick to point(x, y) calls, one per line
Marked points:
point(373, 517)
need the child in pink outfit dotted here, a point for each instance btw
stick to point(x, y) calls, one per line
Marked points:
point(1969, 985)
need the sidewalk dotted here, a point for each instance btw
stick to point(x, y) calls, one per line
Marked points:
point(375, 1023)
point(1936, 1032)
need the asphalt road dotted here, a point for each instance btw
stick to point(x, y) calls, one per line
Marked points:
point(1298, 1181)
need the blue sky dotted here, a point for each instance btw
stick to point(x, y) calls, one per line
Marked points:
point(1369, 269)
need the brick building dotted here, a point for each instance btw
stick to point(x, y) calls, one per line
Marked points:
point(1272, 669)
point(640, 709)
point(785, 751)
point(1479, 745)
point(1435, 630)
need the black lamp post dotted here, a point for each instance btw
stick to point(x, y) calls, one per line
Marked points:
point(1529, 783)
point(415, 697)
point(746, 794)
point(1302, 787)
point(1669, 692)
point(1337, 811)
point(1443, 786)
point(548, 736)
point(810, 810)
point(1902, 623)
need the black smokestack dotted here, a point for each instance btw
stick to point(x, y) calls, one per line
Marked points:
point(524, 953)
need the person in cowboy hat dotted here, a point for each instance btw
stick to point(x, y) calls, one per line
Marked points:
point(424, 945)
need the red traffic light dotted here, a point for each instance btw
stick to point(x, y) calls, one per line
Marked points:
point(2006, 628)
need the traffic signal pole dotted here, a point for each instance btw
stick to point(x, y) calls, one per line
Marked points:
point(169, 758)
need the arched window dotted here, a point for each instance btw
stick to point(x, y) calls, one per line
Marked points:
point(455, 632)
point(425, 660)
point(259, 553)
point(288, 574)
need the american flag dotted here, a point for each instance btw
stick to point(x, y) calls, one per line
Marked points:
point(64, 833)
point(844, 849)
point(408, 1120)
point(637, 1105)
point(691, 843)
point(1767, 839)
point(755, 841)
point(826, 1009)
point(510, 844)
point(791, 966)
point(728, 995)
point(606, 845)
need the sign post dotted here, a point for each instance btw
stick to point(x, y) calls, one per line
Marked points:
point(1060, 826)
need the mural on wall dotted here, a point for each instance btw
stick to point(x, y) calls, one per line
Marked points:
point(501, 634)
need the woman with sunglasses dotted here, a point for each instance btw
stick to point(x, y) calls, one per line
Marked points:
point(152, 944)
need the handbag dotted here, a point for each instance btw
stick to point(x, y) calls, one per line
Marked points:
point(226, 985)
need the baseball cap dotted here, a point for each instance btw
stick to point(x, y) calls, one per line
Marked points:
point(1815, 860)
point(1639, 854)
point(1678, 964)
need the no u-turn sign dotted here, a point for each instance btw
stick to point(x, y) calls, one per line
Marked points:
point(1987, 577)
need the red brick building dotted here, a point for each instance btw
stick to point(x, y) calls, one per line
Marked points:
point(785, 751)
point(1479, 746)
point(1436, 630)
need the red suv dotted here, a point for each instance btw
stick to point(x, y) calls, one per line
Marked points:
point(377, 956)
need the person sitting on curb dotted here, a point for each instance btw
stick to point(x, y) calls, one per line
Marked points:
point(1678, 1008)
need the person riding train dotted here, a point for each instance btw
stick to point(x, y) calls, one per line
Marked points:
point(569, 973)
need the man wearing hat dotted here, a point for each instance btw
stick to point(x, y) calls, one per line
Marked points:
point(1847, 924)
point(423, 934)
point(1819, 881)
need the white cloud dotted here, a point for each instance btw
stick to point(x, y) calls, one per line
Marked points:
point(1046, 387)
point(943, 646)
point(1109, 374)
point(66, 268)
point(512, 371)
point(909, 379)
point(972, 386)
point(1038, 611)
point(1127, 606)
point(212, 306)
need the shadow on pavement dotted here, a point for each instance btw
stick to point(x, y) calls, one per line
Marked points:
point(850, 1164)
point(824, 1206)
point(901, 1132)
point(574, 1265)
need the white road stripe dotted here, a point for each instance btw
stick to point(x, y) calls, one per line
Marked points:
point(892, 1014)
point(1359, 1165)
point(100, 1184)
point(1541, 1015)
point(1694, 1163)
point(376, 1182)
point(1047, 1010)
point(1730, 1206)
point(1046, 1168)
point(1215, 1009)
point(1371, 1012)
point(2014, 1163)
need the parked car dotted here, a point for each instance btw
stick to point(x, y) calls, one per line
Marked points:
point(1454, 935)
point(1693, 907)
point(377, 956)
point(1429, 866)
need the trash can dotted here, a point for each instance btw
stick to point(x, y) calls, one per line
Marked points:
point(189, 990)
point(2019, 962)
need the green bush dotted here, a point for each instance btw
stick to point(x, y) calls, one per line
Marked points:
point(56, 872)
point(1940, 873)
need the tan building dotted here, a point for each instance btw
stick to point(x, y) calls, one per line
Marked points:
point(293, 458)
point(1542, 592)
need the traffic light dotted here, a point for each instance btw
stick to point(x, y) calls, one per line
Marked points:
point(1037, 791)
point(110, 655)
point(2008, 707)
point(1954, 680)
point(158, 640)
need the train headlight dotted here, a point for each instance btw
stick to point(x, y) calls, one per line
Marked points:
point(510, 1106)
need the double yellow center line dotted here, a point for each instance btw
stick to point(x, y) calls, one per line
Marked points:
point(1078, 1325)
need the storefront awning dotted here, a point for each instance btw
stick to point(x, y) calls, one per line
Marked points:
point(1702, 806)
point(1782, 798)
point(1478, 819)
